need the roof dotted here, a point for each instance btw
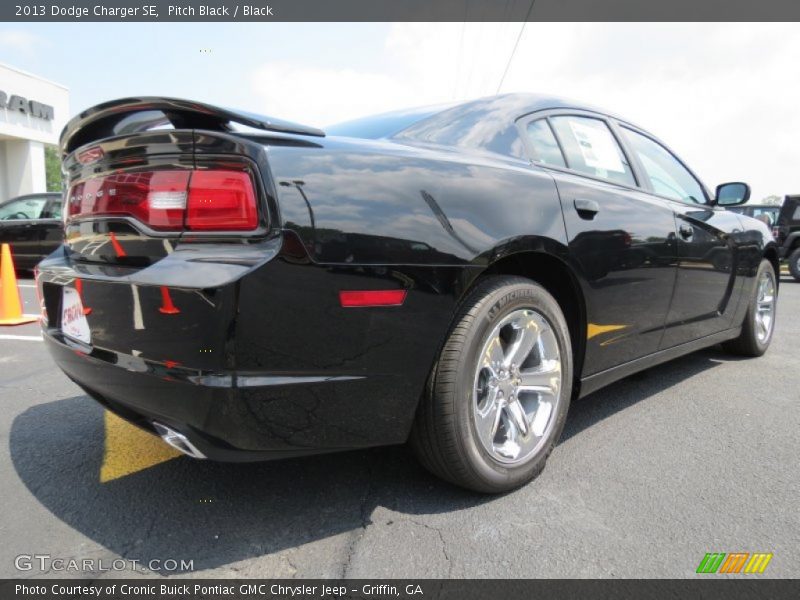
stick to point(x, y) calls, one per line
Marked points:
point(485, 124)
point(516, 104)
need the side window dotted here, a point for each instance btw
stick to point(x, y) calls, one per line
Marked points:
point(545, 144)
point(24, 208)
point(53, 210)
point(666, 174)
point(591, 148)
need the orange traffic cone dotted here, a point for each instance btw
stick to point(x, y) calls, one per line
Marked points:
point(10, 300)
point(167, 307)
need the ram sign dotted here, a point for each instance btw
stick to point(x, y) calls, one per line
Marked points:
point(21, 104)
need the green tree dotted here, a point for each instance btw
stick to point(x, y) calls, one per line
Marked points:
point(52, 167)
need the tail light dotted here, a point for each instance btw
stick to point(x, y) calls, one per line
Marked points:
point(171, 200)
point(221, 200)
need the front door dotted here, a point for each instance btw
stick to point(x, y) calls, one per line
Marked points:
point(18, 220)
point(51, 227)
point(705, 289)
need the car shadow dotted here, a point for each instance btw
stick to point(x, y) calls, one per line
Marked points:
point(211, 513)
point(640, 387)
point(220, 513)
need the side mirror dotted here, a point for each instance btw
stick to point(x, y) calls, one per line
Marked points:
point(732, 194)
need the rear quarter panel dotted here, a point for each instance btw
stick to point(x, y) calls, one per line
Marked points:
point(374, 215)
point(384, 203)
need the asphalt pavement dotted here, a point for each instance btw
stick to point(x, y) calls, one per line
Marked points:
point(697, 455)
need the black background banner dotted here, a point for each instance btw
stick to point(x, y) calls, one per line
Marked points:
point(399, 10)
point(706, 586)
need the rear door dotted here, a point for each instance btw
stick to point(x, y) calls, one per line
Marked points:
point(621, 239)
point(705, 293)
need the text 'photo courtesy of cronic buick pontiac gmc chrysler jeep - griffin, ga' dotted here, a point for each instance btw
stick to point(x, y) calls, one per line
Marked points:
point(249, 288)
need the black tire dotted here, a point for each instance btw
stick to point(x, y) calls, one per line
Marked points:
point(444, 435)
point(794, 264)
point(748, 342)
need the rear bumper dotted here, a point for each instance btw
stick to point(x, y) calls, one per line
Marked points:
point(143, 393)
point(251, 361)
point(227, 416)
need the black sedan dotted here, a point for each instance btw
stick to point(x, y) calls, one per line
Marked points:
point(451, 276)
point(32, 225)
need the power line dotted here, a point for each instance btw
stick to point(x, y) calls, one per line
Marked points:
point(514, 50)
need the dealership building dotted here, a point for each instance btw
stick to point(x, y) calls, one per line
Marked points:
point(33, 111)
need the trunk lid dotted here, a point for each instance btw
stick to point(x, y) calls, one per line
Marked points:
point(145, 174)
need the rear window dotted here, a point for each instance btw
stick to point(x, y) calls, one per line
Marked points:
point(545, 144)
point(591, 148)
point(381, 126)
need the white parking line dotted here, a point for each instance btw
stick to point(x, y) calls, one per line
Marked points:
point(26, 338)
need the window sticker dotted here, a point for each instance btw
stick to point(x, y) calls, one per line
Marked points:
point(597, 147)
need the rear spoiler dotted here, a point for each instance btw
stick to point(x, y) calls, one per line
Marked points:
point(132, 115)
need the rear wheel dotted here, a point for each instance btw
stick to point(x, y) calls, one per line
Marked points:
point(759, 322)
point(498, 396)
point(794, 264)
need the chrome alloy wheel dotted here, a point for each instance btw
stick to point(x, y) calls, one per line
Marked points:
point(517, 386)
point(765, 306)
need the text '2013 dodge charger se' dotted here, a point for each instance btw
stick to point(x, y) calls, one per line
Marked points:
point(249, 288)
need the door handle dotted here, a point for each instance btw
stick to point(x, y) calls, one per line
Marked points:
point(587, 209)
point(687, 231)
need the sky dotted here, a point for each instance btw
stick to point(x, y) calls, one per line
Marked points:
point(723, 96)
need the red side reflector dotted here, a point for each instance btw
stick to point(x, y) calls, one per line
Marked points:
point(353, 298)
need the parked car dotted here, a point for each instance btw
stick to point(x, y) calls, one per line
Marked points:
point(453, 276)
point(768, 213)
point(787, 234)
point(32, 225)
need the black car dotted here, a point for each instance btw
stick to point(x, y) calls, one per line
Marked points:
point(453, 276)
point(787, 234)
point(32, 225)
point(768, 213)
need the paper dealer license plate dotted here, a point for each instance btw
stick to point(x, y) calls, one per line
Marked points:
point(73, 321)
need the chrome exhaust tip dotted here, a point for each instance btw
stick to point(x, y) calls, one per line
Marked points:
point(177, 440)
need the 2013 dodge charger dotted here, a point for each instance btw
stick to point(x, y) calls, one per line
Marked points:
point(250, 288)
